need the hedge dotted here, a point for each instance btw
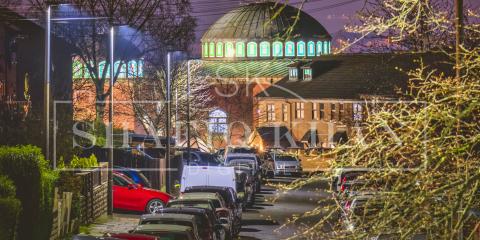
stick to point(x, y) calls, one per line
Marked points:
point(9, 207)
point(34, 182)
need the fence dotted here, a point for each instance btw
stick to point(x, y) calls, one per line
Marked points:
point(93, 202)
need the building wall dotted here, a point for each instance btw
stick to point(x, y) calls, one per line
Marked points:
point(326, 127)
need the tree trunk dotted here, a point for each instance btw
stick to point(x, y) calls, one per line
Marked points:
point(100, 108)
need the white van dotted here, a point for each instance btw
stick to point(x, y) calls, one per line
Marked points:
point(208, 176)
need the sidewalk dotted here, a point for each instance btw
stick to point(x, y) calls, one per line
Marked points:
point(118, 223)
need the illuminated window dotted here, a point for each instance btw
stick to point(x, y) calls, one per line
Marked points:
point(277, 49)
point(205, 50)
point(132, 69)
point(140, 68)
point(314, 111)
point(217, 122)
point(299, 110)
point(270, 112)
point(211, 49)
point(122, 68)
point(101, 69)
point(325, 47)
point(77, 69)
point(264, 49)
point(240, 49)
point(252, 49)
point(293, 74)
point(301, 49)
point(285, 112)
point(290, 49)
point(341, 112)
point(311, 49)
point(219, 49)
point(229, 50)
point(319, 48)
point(357, 112)
point(307, 74)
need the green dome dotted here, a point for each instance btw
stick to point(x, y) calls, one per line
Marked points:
point(254, 22)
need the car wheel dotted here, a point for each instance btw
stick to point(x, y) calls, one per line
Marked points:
point(154, 206)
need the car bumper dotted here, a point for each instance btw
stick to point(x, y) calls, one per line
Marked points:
point(287, 171)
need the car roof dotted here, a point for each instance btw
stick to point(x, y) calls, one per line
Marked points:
point(241, 155)
point(217, 188)
point(163, 228)
point(199, 195)
point(186, 210)
point(167, 216)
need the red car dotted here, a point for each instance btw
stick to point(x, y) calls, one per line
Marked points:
point(133, 197)
point(129, 236)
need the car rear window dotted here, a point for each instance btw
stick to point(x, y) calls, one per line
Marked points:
point(169, 222)
point(286, 159)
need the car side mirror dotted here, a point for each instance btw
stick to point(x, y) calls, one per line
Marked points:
point(131, 186)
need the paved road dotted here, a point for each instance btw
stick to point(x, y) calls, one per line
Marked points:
point(262, 221)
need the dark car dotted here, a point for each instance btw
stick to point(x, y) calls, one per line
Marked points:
point(198, 158)
point(165, 231)
point(86, 237)
point(209, 227)
point(131, 236)
point(230, 198)
point(136, 175)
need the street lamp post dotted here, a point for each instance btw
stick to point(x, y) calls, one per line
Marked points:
point(188, 112)
point(46, 87)
point(167, 123)
point(110, 125)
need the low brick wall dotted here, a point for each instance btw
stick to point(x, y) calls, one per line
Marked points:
point(94, 194)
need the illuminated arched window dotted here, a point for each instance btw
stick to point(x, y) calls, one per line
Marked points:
point(229, 50)
point(217, 122)
point(329, 48)
point(101, 69)
point(289, 49)
point(319, 48)
point(277, 49)
point(211, 49)
point(205, 50)
point(264, 49)
point(301, 49)
point(122, 68)
point(252, 49)
point(132, 69)
point(325, 47)
point(77, 69)
point(219, 49)
point(240, 49)
point(311, 49)
point(140, 68)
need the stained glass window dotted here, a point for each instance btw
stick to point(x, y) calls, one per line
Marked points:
point(140, 68)
point(325, 47)
point(132, 69)
point(252, 49)
point(264, 49)
point(229, 50)
point(240, 49)
point(101, 68)
point(123, 69)
point(311, 49)
point(277, 49)
point(219, 49)
point(217, 122)
point(307, 74)
point(293, 74)
point(301, 49)
point(211, 49)
point(319, 48)
point(290, 49)
point(77, 69)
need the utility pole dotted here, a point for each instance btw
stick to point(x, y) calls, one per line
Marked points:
point(167, 123)
point(110, 126)
point(458, 35)
point(188, 113)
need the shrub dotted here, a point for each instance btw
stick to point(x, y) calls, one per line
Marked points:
point(79, 162)
point(9, 207)
point(34, 182)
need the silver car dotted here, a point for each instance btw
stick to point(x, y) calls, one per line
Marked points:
point(286, 165)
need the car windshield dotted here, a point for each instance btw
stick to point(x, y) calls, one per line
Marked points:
point(168, 221)
point(241, 150)
point(286, 158)
point(216, 203)
point(165, 235)
point(120, 181)
point(200, 158)
point(190, 204)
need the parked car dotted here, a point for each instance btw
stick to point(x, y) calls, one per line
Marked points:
point(208, 176)
point(221, 209)
point(198, 158)
point(229, 196)
point(135, 175)
point(87, 237)
point(131, 236)
point(186, 220)
point(251, 159)
point(164, 231)
point(284, 164)
point(209, 227)
point(133, 197)
point(245, 184)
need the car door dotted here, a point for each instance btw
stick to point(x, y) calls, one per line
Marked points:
point(124, 195)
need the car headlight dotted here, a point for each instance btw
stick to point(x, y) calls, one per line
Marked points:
point(279, 166)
